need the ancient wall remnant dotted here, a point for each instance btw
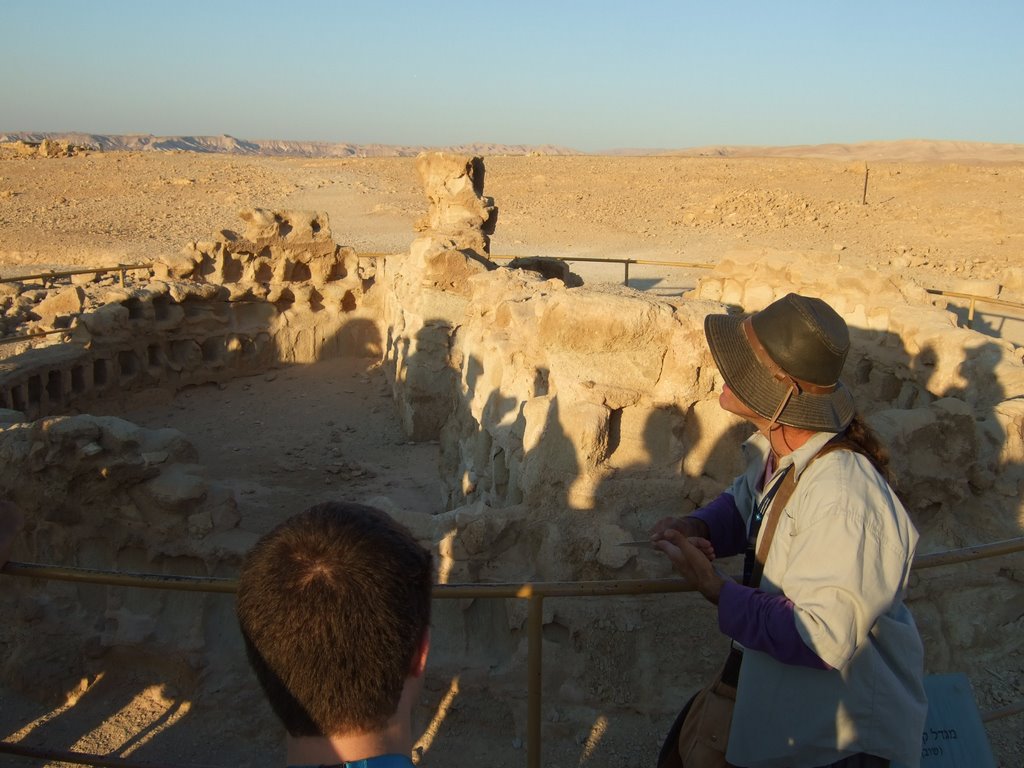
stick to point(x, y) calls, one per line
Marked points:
point(280, 292)
point(103, 493)
point(49, 148)
point(431, 287)
point(428, 288)
point(454, 185)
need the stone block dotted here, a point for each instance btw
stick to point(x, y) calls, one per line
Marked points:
point(60, 305)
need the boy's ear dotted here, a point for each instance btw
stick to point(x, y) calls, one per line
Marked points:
point(419, 656)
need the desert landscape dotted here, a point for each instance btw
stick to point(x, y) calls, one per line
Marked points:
point(333, 405)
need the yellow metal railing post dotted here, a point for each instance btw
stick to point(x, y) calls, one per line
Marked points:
point(974, 299)
point(534, 673)
point(625, 264)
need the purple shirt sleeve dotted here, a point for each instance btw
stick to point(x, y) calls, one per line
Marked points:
point(728, 532)
point(764, 622)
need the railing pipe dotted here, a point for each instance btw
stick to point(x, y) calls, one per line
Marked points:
point(976, 297)
point(121, 268)
point(1000, 712)
point(951, 556)
point(974, 300)
point(145, 580)
point(36, 335)
point(456, 591)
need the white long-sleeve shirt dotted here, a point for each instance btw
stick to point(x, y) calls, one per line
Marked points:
point(842, 554)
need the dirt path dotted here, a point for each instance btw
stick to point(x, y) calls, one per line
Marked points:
point(293, 437)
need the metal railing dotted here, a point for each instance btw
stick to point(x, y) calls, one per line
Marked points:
point(121, 269)
point(974, 300)
point(533, 592)
point(624, 262)
point(36, 335)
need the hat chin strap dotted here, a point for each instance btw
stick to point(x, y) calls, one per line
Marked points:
point(774, 425)
point(793, 389)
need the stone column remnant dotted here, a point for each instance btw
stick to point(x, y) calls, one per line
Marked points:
point(454, 184)
point(432, 287)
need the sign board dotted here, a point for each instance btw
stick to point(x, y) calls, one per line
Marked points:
point(954, 736)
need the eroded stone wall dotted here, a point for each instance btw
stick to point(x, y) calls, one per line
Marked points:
point(103, 493)
point(281, 292)
point(427, 289)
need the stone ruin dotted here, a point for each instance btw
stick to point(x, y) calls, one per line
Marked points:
point(568, 419)
point(49, 148)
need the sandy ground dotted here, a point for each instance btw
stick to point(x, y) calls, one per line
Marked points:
point(297, 436)
point(954, 219)
point(948, 224)
point(289, 438)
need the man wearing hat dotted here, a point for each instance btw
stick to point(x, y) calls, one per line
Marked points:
point(831, 659)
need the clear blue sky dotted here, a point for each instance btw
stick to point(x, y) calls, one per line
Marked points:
point(588, 75)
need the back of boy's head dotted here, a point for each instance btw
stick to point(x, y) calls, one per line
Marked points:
point(333, 605)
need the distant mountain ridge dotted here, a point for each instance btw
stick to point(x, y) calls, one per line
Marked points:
point(229, 145)
point(903, 150)
point(921, 150)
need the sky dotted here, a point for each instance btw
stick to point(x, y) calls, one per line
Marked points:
point(590, 76)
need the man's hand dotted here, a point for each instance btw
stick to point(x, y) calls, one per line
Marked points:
point(688, 526)
point(691, 557)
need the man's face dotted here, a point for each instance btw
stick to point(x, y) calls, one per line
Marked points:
point(729, 402)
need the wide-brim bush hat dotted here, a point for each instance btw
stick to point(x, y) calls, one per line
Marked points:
point(784, 362)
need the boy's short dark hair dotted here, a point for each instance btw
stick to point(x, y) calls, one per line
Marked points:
point(333, 604)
